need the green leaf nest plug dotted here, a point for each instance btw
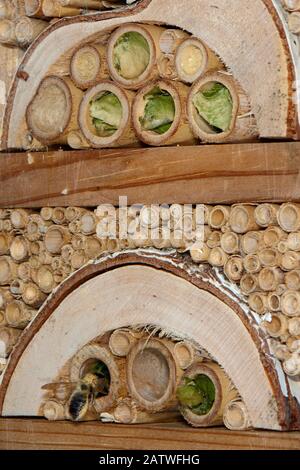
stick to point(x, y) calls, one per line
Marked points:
point(197, 394)
point(159, 111)
point(214, 105)
point(131, 55)
point(106, 114)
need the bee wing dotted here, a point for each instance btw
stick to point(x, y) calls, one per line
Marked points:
point(55, 385)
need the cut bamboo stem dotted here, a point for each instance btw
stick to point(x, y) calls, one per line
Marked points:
point(218, 216)
point(170, 39)
point(24, 271)
point(270, 278)
point(252, 264)
point(32, 295)
point(46, 213)
point(292, 280)
point(258, 302)
point(294, 326)
point(19, 249)
point(121, 341)
point(184, 353)
point(290, 261)
point(28, 29)
point(53, 9)
point(55, 238)
point(92, 247)
point(236, 416)
point(269, 257)
point(8, 270)
point(19, 218)
point(230, 243)
point(33, 8)
point(5, 241)
point(266, 214)
point(16, 287)
point(274, 302)
point(127, 412)
point(5, 297)
point(292, 366)
point(293, 241)
point(58, 215)
point(88, 65)
point(53, 410)
point(217, 257)
point(17, 315)
point(278, 326)
point(8, 33)
point(200, 254)
point(45, 279)
point(234, 268)
point(242, 219)
point(214, 239)
point(281, 351)
point(290, 303)
point(76, 140)
point(272, 236)
point(8, 339)
point(289, 217)
point(249, 283)
point(7, 10)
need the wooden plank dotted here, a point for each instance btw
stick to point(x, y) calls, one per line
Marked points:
point(16, 434)
point(200, 174)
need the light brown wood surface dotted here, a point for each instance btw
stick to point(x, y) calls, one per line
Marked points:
point(41, 434)
point(201, 174)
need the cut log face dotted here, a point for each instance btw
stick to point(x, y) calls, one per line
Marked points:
point(269, 94)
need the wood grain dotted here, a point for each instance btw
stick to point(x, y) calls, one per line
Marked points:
point(16, 434)
point(200, 174)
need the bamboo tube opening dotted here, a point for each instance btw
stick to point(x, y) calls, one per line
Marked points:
point(7, 32)
point(291, 366)
point(32, 295)
point(252, 264)
point(293, 241)
point(266, 214)
point(17, 315)
point(24, 271)
point(6, 10)
point(88, 223)
point(19, 249)
point(184, 354)
point(268, 257)
point(121, 341)
point(214, 239)
point(7, 270)
point(292, 280)
point(212, 390)
point(217, 257)
point(242, 219)
point(272, 236)
point(53, 410)
point(5, 241)
point(58, 215)
point(92, 247)
point(258, 302)
point(113, 128)
point(290, 261)
point(8, 339)
point(19, 218)
point(290, 303)
point(170, 39)
point(73, 213)
point(76, 141)
point(270, 278)
point(236, 417)
point(234, 268)
point(294, 326)
point(218, 216)
point(32, 7)
point(274, 302)
point(87, 65)
point(289, 217)
point(193, 59)
point(277, 326)
point(28, 29)
point(248, 283)
point(46, 213)
point(56, 236)
point(45, 279)
point(282, 247)
point(132, 55)
point(49, 113)
point(230, 243)
point(78, 259)
point(291, 5)
point(151, 374)
point(16, 287)
point(159, 116)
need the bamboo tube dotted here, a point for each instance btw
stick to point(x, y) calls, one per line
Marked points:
point(266, 214)
point(58, 215)
point(242, 219)
point(269, 257)
point(7, 10)
point(8, 339)
point(292, 366)
point(224, 393)
point(5, 241)
point(19, 249)
point(269, 278)
point(45, 279)
point(290, 303)
point(184, 353)
point(53, 9)
point(170, 39)
point(294, 22)
point(217, 257)
point(166, 67)
point(258, 302)
point(52, 113)
point(17, 315)
point(272, 236)
point(280, 351)
point(78, 241)
point(74, 227)
point(8, 33)
point(60, 391)
point(78, 259)
point(200, 254)
point(53, 410)
point(293, 241)
point(292, 280)
point(274, 302)
point(249, 283)
point(56, 236)
point(137, 74)
point(67, 252)
point(82, 4)
point(24, 271)
point(214, 239)
point(152, 374)
point(236, 416)
point(122, 340)
point(32, 295)
point(88, 65)
point(19, 218)
point(33, 8)
point(252, 264)
point(230, 243)
point(35, 228)
point(282, 247)
point(193, 59)
point(3, 321)
point(278, 326)
point(8, 270)
point(294, 326)
point(4, 213)
point(5, 297)
point(57, 263)
point(290, 261)
point(46, 213)
point(234, 268)
point(218, 216)
point(37, 247)
point(242, 125)
point(87, 223)
point(28, 29)
point(293, 343)
point(124, 135)
point(73, 213)
point(44, 257)
point(7, 225)
point(16, 287)
point(289, 217)
point(179, 131)
point(76, 140)
point(127, 412)
point(291, 5)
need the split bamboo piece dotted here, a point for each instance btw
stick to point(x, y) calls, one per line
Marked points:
point(230, 243)
point(294, 22)
point(52, 113)
point(127, 412)
point(266, 214)
point(28, 29)
point(53, 9)
point(17, 315)
point(179, 131)
point(292, 280)
point(53, 410)
point(135, 73)
point(294, 326)
point(152, 375)
point(8, 270)
point(121, 341)
point(252, 264)
point(242, 219)
point(8, 33)
point(258, 302)
point(236, 416)
point(193, 59)
point(278, 326)
point(124, 135)
point(19, 218)
point(290, 303)
point(289, 217)
point(5, 241)
point(32, 295)
point(270, 278)
point(242, 125)
point(234, 268)
point(56, 236)
point(8, 339)
point(224, 393)
point(19, 249)
point(218, 216)
point(88, 65)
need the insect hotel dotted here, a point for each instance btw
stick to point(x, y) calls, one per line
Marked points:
point(183, 304)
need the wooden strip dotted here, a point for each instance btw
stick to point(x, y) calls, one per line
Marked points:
point(201, 174)
point(37, 434)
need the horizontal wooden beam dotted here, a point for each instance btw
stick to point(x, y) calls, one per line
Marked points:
point(37, 434)
point(201, 174)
